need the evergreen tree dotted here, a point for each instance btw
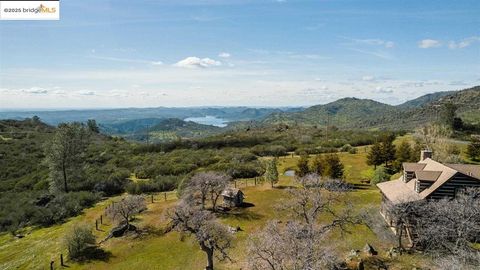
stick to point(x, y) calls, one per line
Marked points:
point(374, 156)
point(302, 166)
point(92, 126)
point(271, 172)
point(65, 156)
point(473, 150)
point(318, 165)
point(333, 168)
point(388, 150)
point(404, 152)
point(448, 114)
point(380, 175)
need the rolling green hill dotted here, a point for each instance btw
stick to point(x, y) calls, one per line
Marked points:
point(173, 128)
point(365, 113)
point(425, 99)
point(346, 112)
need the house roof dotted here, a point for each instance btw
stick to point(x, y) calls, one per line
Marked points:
point(430, 176)
point(397, 191)
point(467, 169)
point(412, 167)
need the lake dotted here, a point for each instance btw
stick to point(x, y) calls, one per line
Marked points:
point(208, 120)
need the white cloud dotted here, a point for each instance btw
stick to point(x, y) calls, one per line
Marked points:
point(127, 60)
point(429, 43)
point(35, 90)
point(463, 43)
point(383, 90)
point(196, 62)
point(368, 78)
point(380, 54)
point(458, 83)
point(224, 55)
point(372, 42)
point(86, 93)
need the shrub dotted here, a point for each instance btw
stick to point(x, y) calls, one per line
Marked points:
point(79, 242)
point(381, 175)
point(114, 184)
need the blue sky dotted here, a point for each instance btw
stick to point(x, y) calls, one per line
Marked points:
point(232, 52)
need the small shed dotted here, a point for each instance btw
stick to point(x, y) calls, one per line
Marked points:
point(232, 197)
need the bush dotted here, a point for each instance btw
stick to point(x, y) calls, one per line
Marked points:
point(160, 183)
point(381, 175)
point(269, 150)
point(79, 242)
point(63, 206)
point(346, 148)
point(114, 184)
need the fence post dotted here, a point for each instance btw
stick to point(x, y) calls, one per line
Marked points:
point(101, 219)
point(165, 195)
point(61, 260)
point(255, 179)
point(96, 224)
point(51, 265)
point(235, 181)
point(152, 198)
point(246, 183)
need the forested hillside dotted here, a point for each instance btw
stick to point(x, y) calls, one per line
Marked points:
point(160, 130)
point(369, 114)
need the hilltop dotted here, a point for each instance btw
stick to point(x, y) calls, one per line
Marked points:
point(365, 113)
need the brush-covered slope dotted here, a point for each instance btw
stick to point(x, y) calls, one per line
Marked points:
point(365, 113)
point(424, 100)
point(344, 113)
point(173, 128)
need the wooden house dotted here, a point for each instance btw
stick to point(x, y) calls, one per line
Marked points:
point(426, 180)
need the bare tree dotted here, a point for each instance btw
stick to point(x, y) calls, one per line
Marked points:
point(125, 209)
point(218, 183)
point(291, 246)
point(445, 229)
point(404, 214)
point(435, 137)
point(204, 186)
point(449, 227)
point(296, 243)
point(213, 237)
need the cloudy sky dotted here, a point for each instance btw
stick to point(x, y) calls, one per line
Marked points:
point(144, 53)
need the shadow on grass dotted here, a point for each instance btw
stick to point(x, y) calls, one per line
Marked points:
point(246, 205)
point(284, 187)
point(245, 215)
point(93, 254)
point(361, 186)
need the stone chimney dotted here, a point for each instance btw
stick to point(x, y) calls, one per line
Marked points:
point(424, 154)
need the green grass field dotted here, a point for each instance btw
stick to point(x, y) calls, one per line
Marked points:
point(155, 250)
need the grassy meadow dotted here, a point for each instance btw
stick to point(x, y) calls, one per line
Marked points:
point(155, 250)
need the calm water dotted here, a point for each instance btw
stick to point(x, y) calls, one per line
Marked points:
point(208, 120)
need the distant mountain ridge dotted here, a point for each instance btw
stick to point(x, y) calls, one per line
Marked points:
point(343, 113)
point(114, 116)
point(425, 99)
point(366, 113)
